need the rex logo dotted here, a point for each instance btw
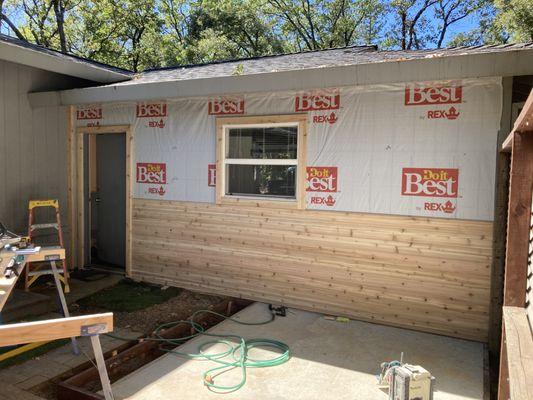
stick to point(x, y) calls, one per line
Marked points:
point(430, 182)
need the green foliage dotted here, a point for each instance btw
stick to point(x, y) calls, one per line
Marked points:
point(143, 34)
point(515, 19)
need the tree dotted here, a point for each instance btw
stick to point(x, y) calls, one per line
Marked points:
point(514, 19)
point(450, 12)
point(318, 24)
point(4, 18)
point(125, 33)
point(59, 11)
point(411, 29)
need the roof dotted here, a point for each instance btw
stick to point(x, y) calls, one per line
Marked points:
point(22, 52)
point(351, 55)
point(348, 66)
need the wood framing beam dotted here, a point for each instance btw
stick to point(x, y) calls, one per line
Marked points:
point(524, 123)
point(521, 186)
point(53, 329)
point(71, 185)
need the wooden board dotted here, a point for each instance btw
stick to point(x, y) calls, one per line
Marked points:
point(7, 284)
point(519, 218)
point(52, 329)
point(519, 351)
point(427, 274)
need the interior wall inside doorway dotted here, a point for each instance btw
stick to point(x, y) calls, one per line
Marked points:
point(105, 194)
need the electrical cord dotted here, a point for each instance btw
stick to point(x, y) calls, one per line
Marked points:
point(234, 356)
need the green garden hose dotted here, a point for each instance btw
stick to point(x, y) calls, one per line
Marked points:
point(237, 353)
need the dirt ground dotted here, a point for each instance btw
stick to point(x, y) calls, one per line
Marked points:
point(147, 319)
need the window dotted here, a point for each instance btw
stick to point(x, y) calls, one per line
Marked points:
point(260, 158)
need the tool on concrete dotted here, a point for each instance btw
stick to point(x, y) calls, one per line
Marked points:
point(406, 381)
point(33, 273)
point(411, 382)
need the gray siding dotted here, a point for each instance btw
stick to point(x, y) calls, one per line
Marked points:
point(33, 144)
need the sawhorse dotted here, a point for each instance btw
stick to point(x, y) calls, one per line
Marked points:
point(7, 283)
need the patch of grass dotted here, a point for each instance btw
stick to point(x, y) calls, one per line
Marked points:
point(128, 296)
point(38, 351)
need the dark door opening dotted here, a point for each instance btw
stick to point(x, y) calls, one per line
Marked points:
point(106, 160)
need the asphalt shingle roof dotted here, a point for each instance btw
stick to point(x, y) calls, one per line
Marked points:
point(352, 55)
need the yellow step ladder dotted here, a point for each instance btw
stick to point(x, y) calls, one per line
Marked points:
point(33, 272)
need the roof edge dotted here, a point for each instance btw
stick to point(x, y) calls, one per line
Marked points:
point(19, 52)
point(511, 63)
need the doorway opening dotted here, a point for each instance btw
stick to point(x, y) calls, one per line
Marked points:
point(104, 198)
point(106, 205)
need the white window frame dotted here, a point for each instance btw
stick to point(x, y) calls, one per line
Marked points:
point(225, 124)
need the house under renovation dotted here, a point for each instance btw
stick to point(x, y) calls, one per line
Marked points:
point(353, 182)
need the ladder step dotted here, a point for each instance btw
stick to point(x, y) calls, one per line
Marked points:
point(54, 225)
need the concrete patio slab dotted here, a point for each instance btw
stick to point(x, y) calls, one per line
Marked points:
point(329, 360)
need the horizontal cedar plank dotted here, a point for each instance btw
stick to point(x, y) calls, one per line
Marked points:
point(477, 334)
point(343, 293)
point(366, 300)
point(290, 244)
point(172, 225)
point(425, 273)
point(333, 215)
point(175, 255)
point(350, 262)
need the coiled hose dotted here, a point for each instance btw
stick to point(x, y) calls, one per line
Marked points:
point(237, 353)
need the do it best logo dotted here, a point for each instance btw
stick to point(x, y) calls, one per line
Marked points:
point(226, 105)
point(318, 100)
point(153, 110)
point(152, 173)
point(322, 179)
point(211, 174)
point(435, 95)
point(416, 95)
point(430, 182)
point(89, 112)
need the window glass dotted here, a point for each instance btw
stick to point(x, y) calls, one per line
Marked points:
point(262, 143)
point(261, 180)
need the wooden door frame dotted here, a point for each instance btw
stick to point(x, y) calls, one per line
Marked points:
point(77, 197)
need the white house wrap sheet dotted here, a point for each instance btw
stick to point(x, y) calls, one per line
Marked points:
point(421, 149)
